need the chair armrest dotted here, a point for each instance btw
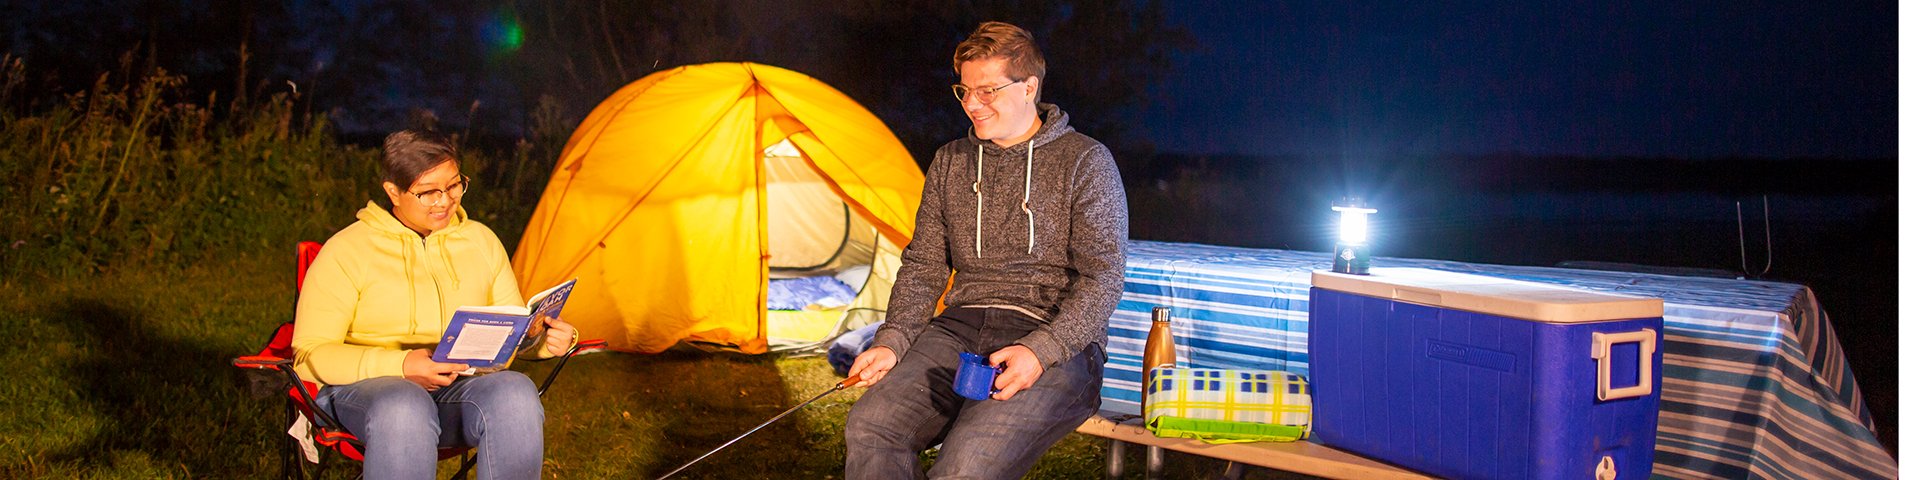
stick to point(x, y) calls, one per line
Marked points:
point(263, 362)
point(582, 346)
point(265, 375)
point(588, 344)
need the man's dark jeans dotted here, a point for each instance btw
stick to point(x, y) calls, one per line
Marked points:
point(914, 407)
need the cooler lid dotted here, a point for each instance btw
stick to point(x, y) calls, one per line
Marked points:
point(1491, 295)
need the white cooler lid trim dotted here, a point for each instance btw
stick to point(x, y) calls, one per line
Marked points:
point(1491, 295)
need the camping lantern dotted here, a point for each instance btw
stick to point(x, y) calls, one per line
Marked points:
point(1350, 254)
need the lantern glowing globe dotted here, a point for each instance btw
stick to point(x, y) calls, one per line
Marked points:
point(1350, 255)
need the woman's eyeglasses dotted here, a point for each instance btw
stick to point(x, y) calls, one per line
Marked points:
point(437, 196)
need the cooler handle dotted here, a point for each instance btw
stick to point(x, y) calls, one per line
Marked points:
point(1603, 351)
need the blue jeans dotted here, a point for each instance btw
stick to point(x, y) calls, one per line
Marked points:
point(914, 407)
point(403, 425)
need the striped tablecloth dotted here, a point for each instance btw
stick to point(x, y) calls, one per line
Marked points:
point(1755, 384)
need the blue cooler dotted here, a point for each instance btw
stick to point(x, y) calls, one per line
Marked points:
point(1466, 376)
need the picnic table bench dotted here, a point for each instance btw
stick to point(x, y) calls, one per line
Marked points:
point(1303, 456)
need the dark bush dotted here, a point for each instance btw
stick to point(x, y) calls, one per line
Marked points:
point(133, 174)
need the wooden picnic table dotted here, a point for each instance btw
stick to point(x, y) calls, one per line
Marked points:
point(1748, 366)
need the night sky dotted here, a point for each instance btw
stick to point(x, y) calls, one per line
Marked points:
point(1668, 79)
point(1354, 79)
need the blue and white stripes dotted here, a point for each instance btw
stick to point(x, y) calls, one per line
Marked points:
point(1755, 383)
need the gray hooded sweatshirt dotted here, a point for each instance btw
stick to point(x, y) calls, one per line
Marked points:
point(1061, 259)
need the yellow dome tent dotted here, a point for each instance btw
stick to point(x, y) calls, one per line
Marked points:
point(678, 197)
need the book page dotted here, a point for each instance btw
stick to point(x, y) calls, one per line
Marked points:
point(479, 342)
point(500, 309)
point(534, 301)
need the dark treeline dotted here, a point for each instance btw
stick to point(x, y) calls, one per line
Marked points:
point(483, 68)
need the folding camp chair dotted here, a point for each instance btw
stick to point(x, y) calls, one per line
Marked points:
point(271, 371)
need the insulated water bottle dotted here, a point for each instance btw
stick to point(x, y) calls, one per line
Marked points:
point(1158, 352)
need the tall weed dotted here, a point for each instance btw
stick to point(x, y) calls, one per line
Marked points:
point(134, 174)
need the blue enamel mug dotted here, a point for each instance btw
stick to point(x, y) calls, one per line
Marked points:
point(975, 377)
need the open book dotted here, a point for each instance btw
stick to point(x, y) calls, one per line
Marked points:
point(487, 337)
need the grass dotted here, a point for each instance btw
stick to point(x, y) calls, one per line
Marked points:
point(125, 375)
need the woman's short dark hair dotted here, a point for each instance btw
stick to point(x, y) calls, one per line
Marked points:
point(410, 153)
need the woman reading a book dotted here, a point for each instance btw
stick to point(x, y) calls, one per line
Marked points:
point(374, 304)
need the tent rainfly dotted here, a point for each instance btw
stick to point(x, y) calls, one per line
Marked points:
point(679, 196)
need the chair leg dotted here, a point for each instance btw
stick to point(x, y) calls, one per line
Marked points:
point(1116, 459)
point(290, 467)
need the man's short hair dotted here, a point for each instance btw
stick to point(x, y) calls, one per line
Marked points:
point(1003, 40)
point(410, 153)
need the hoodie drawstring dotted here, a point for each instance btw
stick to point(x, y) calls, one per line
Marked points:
point(413, 292)
point(447, 259)
point(979, 200)
point(408, 256)
point(1024, 198)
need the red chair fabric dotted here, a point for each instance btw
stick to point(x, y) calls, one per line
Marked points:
point(304, 253)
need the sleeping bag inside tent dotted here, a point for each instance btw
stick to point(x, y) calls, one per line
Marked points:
point(729, 205)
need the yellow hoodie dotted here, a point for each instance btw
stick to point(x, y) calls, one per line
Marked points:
point(378, 289)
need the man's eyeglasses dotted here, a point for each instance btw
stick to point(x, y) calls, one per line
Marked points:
point(437, 196)
point(960, 92)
